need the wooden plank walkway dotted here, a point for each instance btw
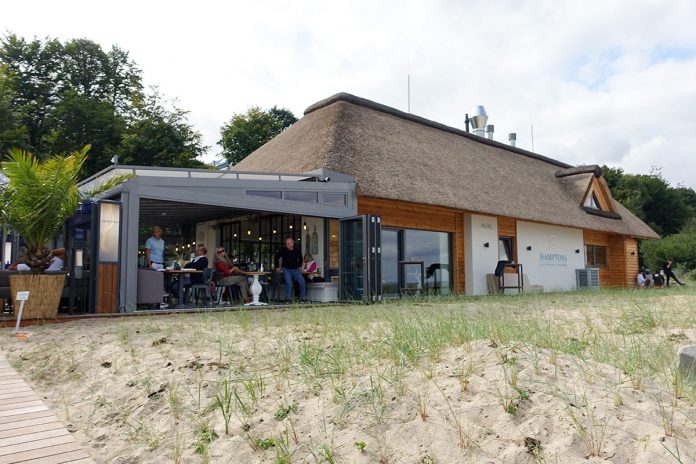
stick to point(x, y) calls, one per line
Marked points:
point(29, 432)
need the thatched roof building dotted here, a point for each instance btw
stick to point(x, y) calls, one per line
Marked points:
point(399, 156)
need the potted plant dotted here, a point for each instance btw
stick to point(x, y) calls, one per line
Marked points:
point(37, 198)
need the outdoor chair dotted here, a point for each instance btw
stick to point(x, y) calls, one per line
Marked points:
point(233, 292)
point(204, 287)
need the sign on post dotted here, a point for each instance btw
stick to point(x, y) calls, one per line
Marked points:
point(22, 297)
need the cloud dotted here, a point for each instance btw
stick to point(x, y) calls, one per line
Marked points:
point(601, 82)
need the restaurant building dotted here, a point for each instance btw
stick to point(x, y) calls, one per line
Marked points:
point(388, 204)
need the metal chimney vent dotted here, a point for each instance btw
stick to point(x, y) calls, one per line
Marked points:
point(513, 139)
point(478, 120)
point(489, 131)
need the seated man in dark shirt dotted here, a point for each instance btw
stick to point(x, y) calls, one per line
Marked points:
point(200, 262)
point(292, 261)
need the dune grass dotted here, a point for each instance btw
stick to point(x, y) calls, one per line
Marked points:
point(307, 384)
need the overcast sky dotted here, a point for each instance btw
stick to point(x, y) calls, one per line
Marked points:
point(606, 82)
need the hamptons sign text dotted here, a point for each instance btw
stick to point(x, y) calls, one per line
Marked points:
point(553, 259)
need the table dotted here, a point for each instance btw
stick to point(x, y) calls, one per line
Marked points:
point(255, 288)
point(171, 272)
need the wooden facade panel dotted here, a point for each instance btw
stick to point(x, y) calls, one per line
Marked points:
point(597, 238)
point(616, 256)
point(632, 268)
point(409, 215)
point(107, 288)
point(507, 226)
point(424, 217)
point(459, 277)
point(594, 237)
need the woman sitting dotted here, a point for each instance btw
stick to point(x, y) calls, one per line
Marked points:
point(231, 273)
point(309, 269)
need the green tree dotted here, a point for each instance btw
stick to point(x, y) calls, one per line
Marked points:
point(158, 136)
point(651, 198)
point(246, 132)
point(12, 133)
point(57, 97)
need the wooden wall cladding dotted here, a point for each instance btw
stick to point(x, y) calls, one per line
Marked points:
point(632, 268)
point(410, 215)
point(507, 226)
point(107, 288)
point(418, 216)
point(618, 262)
point(594, 237)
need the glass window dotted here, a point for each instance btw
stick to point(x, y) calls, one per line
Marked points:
point(592, 201)
point(390, 262)
point(265, 193)
point(433, 249)
point(306, 197)
point(596, 255)
point(334, 198)
point(505, 251)
point(109, 228)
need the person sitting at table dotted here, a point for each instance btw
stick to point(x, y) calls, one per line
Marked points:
point(56, 264)
point(309, 269)
point(199, 263)
point(231, 274)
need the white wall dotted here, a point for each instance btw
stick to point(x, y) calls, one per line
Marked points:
point(552, 261)
point(478, 259)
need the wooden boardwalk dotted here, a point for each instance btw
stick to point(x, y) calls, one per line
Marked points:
point(29, 432)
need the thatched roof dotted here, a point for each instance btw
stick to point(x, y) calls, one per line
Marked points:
point(399, 156)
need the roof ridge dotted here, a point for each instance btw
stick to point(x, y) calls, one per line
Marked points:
point(349, 98)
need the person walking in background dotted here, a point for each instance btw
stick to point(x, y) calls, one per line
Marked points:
point(154, 250)
point(669, 273)
point(291, 258)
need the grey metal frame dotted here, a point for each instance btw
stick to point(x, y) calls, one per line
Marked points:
point(211, 187)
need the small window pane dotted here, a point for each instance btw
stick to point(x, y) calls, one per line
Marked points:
point(600, 256)
point(306, 197)
point(265, 193)
point(596, 255)
point(334, 198)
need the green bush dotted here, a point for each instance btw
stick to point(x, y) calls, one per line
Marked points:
point(681, 247)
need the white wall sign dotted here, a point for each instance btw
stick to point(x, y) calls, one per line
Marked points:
point(22, 296)
point(548, 254)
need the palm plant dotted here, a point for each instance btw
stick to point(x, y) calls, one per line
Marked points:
point(40, 196)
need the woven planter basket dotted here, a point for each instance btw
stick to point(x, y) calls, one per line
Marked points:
point(44, 294)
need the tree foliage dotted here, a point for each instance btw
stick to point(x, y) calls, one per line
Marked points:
point(652, 199)
point(161, 137)
point(246, 132)
point(57, 97)
point(681, 247)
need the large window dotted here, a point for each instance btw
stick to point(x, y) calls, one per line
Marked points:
point(415, 262)
point(433, 249)
point(596, 255)
point(390, 262)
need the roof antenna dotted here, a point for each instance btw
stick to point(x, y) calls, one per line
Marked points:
point(531, 127)
point(408, 84)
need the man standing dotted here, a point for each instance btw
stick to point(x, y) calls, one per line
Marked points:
point(669, 273)
point(292, 261)
point(154, 250)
